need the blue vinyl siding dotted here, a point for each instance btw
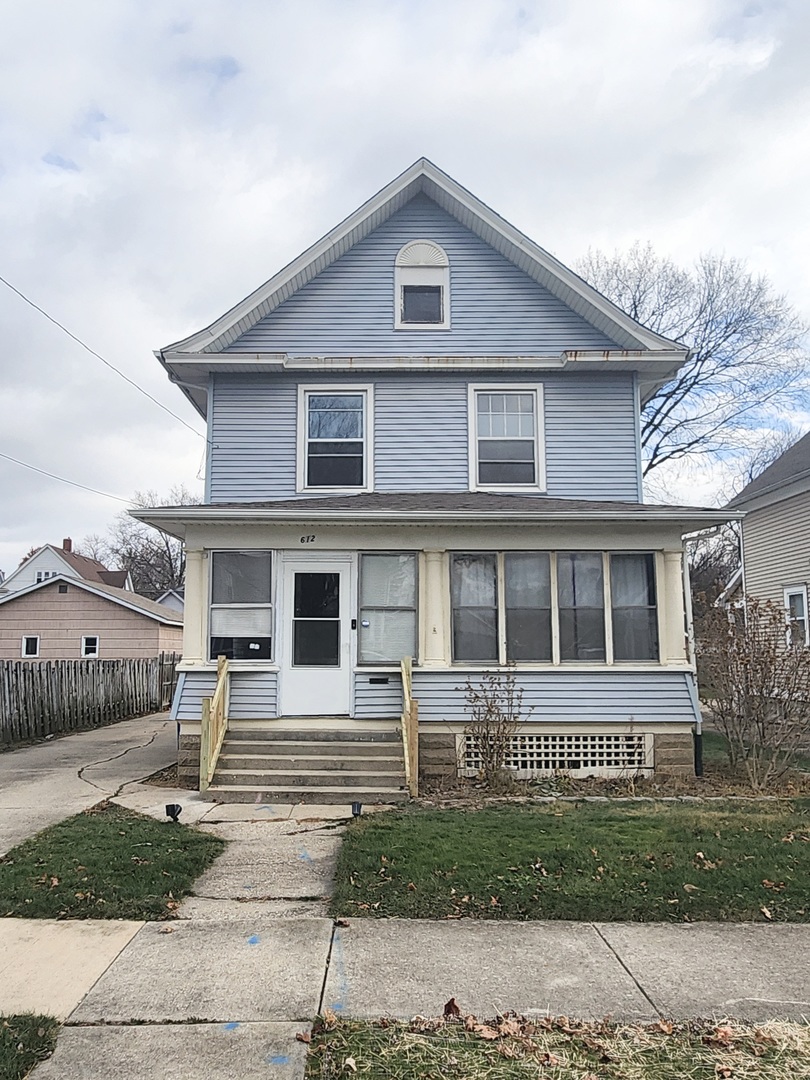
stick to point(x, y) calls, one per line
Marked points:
point(495, 308)
point(254, 694)
point(376, 701)
point(420, 436)
point(575, 697)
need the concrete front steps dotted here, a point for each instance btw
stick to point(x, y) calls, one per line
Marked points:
point(316, 765)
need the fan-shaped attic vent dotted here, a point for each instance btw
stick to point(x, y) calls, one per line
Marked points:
point(422, 253)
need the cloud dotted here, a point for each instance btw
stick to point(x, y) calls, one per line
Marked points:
point(159, 162)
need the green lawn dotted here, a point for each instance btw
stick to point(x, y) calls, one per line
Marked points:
point(602, 861)
point(24, 1041)
point(516, 1049)
point(106, 863)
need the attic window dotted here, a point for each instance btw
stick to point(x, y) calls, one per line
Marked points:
point(422, 287)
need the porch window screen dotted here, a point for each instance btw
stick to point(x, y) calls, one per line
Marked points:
point(387, 608)
point(635, 620)
point(580, 588)
point(335, 440)
point(527, 589)
point(241, 605)
point(474, 589)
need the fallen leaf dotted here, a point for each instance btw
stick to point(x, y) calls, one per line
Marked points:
point(767, 913)
point(666, 1026)
point(350, 1063)
point(451, 1008)
point(166, 930)
point(54, 882)
point(549, 1059)
point(329, 1019)
point(342, 923)
point(484, 1031)
point(690, 888)
point(303, 1036)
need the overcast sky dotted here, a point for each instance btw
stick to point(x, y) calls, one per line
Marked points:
point(159, 160)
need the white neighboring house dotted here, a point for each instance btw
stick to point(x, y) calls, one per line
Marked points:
point(174, 599)
point(50, 561)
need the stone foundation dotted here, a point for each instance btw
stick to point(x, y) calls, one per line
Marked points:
point(674, 753)
point(437, 755)
point(188, 762)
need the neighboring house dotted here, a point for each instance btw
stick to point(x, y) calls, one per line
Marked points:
point(50, 561)
point(68, 618)
point(776, 535)
point(424, 441)
point(173, 598)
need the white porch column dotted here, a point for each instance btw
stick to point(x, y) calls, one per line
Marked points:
point(673, 640)
point(196, 595)
point(434, 598)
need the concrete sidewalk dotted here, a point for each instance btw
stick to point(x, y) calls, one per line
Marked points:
point(45, 783)
point(223, 990)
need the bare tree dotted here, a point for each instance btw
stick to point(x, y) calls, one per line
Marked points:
point(755, 675)
point(155, 560)
point(747, 360)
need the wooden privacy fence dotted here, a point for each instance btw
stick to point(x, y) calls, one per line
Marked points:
point(49, 697)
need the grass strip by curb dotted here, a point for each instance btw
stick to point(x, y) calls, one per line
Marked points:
point(638, 862)
point(105, 863)
point(25, 1040)
point(514, 1048)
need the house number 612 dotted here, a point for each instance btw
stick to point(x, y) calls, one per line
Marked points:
point(308, 539)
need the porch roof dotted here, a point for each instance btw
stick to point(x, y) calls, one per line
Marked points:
point(454, 507)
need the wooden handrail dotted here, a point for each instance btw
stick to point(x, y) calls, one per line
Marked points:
point(410, 728)
point(214, 723)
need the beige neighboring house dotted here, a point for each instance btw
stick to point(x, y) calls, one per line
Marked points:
point(68, 618)
point(50, 561)
point(776, 534)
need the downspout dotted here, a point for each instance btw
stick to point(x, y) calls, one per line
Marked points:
point(692, 657)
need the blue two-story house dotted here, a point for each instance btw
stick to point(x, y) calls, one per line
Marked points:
point(423, 441)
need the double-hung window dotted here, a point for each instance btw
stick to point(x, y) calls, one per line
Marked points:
point(422, 287)
point(796, 614)
point(387, 608)
point(581, 596)
point(90, 648)
point(335, 444)
point(241, 624)
point(635, 617)
point(30, 646)
point(506, 438)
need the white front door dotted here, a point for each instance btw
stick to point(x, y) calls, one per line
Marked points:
point(317, 659)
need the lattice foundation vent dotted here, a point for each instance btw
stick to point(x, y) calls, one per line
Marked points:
point(577, 755)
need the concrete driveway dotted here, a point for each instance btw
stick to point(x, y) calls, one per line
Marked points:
point(42, 784)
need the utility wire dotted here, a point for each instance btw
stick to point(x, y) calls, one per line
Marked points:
point(73, 483)
point(98, 356)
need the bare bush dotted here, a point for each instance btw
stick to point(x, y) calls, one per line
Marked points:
point(755, 673)
point(495, 704)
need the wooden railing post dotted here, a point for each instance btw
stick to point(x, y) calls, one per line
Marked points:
point(410, 728)
point(214, 723)
point(205, 743)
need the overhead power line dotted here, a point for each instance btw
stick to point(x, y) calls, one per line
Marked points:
point(98, 356)
point(63, 479)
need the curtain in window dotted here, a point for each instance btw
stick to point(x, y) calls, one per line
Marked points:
point(475, 616)
point(635, 620)
point(527, 588)
point(580, 589)
point(387, 608)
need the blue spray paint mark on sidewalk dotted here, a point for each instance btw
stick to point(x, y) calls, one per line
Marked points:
point(232, 1026)
point(278, 1059)
point(254, 939)
point(304, 855)
point(338, 963)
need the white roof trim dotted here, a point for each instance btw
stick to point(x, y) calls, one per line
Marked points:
point(80, 583)
point(29, 562)
point(424, 176)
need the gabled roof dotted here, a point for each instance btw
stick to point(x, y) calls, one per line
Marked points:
point(423, 177)
point(790, 469)
point(87, 568)
point(123, 597)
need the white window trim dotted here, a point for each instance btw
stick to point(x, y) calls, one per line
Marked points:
point(44, 575)
point(91, 656)
point(539, 435)
point(23, 653)
point(797, 590)
point(367, 389)
point(428, 274)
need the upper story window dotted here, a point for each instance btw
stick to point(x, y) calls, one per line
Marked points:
point(422, 287)
point(45, 575)
point(506, 440)
point(796, 612)
point(334, 445)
